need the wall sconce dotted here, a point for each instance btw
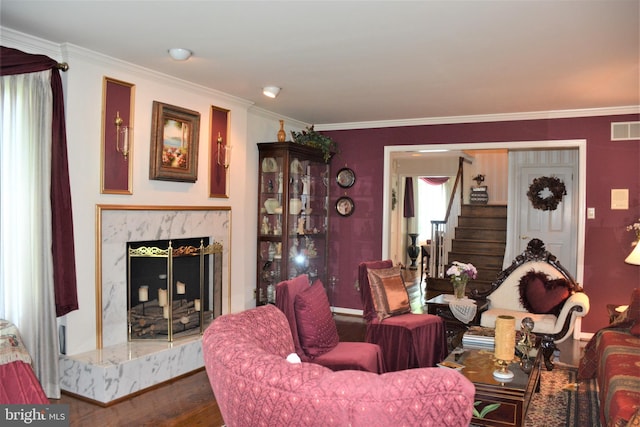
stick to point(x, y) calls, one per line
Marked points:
point(122, 136)
point(224, 153)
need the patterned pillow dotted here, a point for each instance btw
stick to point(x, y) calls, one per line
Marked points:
point(540, 294)
point(389, 294)
point(316, 328)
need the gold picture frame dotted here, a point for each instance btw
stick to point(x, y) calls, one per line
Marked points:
point(175, 137)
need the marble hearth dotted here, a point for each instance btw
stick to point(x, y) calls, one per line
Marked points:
point(120, 368)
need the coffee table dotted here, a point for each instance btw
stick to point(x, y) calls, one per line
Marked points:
point(513, 397)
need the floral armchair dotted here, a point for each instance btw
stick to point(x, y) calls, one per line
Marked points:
point(536, 285)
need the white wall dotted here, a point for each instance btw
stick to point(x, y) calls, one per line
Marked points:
point(83, 99)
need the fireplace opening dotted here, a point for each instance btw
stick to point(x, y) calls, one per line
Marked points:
point(174, 287)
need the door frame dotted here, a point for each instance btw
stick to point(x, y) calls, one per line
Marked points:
point(580, 144)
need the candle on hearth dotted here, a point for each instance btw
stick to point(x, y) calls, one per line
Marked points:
point(165, 311)
point(162, 297)
point(505, 338)
point(180, 288)
point(196, 304)
point(143, 293)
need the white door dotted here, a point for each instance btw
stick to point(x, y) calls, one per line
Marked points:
point(557, 228)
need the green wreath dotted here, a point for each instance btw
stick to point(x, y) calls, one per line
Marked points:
point(549, 203)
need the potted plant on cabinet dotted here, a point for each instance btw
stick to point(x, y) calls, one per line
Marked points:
point(313, 138)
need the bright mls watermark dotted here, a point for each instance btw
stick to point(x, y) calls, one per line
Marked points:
point(34, 415)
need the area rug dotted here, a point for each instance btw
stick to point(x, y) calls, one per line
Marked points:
point(563, 401)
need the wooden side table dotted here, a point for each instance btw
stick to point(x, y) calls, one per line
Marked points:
point(454, 327)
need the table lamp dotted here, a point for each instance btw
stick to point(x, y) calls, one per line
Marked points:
point(505, 341)
point(634, 256)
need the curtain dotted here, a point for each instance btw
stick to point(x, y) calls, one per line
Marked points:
point(435, 180)
point(409, 208)
point(37, 258)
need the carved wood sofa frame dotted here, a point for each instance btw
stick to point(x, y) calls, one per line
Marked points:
point(536, 251)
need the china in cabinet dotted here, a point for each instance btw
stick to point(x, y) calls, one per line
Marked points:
point(293, 198)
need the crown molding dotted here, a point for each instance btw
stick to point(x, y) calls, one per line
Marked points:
point(270, 115)
point(68, 52)
point(30, 44)
point(482, 118)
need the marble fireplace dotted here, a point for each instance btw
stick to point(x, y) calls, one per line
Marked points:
point(120, 367)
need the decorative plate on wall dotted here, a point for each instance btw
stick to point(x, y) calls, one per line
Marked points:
point(344, 206)
point(345, 177)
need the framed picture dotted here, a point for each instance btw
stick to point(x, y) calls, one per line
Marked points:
point(175, 136)
point(117, 136)
point(344, 206)
point(345, 178)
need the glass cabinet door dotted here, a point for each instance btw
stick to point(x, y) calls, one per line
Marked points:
point(293, 216)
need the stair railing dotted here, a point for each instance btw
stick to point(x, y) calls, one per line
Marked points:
point(440, 238)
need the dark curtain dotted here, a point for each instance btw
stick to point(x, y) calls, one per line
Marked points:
point(409, 209)
point(435, 180)
point(13, 61)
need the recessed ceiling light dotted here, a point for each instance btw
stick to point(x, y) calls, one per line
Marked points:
point(180, 54)
point(271, 91)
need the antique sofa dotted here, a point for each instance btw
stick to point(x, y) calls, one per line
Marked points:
point(257, 382)
point(536, 285)
point(612, 356)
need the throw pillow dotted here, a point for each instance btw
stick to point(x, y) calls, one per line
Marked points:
point(540, 294)
point(316, 328)
point(389, 294)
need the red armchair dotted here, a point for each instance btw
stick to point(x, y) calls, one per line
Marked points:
point(245, 355)
point(314, 331)
point(407, 340)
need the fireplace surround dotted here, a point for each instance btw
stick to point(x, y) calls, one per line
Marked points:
point(117, 367)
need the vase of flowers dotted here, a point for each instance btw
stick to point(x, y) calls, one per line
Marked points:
point(460, 273)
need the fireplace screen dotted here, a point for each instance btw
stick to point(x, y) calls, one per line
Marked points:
point(174, 287)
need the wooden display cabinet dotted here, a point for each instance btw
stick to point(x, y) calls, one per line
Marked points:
point(293, 216)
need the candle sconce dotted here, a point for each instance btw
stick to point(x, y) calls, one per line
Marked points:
point(123, 142)
point(224, 152)
point(117, 137)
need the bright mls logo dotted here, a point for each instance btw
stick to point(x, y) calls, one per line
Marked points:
point(35, 415)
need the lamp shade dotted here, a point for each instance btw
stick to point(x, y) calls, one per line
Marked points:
point(634, 256)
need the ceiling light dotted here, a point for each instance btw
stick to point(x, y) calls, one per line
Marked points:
point(179, 54)
point(271, 91)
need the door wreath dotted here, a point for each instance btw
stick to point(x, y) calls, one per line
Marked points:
point(550, 202)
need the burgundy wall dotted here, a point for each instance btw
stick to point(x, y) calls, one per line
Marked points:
point(607, 279)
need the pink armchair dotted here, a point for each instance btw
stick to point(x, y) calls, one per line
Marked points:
point(245, 358)
point(315, 323)
point(407, 340)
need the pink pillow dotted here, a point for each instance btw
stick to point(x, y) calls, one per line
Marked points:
point(316, 328)
point(540, 294)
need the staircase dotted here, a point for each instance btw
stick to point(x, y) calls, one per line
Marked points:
point(480, 239)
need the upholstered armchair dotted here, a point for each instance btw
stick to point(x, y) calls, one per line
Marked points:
point(408, 340)
point(536, 285)
point(256, 383)
point(314, 331)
